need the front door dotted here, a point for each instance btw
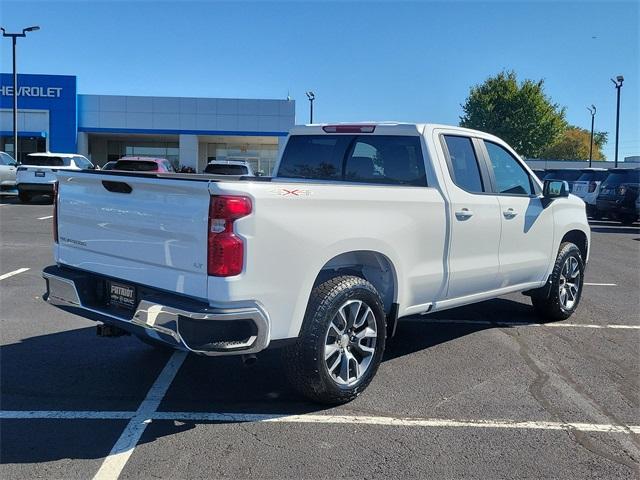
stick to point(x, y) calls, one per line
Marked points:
point(527, 226)
point(474, 218)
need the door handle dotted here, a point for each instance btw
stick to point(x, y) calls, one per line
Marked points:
point(464, 214)
point(509, 213)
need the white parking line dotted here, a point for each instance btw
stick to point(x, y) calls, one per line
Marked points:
point(223, 417)
point(519, 324)
point(11, 274)
point(45, 218)
point(116, 460)
point(601, 284)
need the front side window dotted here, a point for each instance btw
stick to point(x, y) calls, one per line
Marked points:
point(463, 165)
point(511, 177)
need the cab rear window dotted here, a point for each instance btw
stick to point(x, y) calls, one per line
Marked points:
point(136, 166)
point(226, 169)
point(46, 161)
point(618, 178)
point(378, 159)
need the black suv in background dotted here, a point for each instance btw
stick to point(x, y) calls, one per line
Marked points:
point(618, 195)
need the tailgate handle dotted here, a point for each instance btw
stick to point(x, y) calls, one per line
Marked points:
point(117, 187)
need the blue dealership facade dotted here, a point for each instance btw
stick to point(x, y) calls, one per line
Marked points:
point(190, 131)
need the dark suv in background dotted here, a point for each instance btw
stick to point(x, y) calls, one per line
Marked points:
point(618, 195)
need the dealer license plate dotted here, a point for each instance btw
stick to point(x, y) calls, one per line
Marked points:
point(121, 295)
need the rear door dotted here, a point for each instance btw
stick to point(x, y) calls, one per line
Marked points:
point(474, 218)
point(527, 226)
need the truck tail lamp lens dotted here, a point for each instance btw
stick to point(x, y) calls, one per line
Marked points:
point(349, 128)
point(55, 212)
point(225, 252)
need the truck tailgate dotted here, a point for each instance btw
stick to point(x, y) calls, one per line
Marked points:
point(138, 228)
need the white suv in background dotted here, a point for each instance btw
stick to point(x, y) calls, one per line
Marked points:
point(37, 173)
point(8, 167)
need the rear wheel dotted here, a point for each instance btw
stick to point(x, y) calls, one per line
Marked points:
point(628, 219)
point(566, 286)
point(25, 197)
point(341, 342)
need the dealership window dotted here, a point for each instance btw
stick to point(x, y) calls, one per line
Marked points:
point(260, 157)
point(168, 150)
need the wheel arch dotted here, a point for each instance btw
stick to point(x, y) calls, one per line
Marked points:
point(373, 266)
point(580, 240)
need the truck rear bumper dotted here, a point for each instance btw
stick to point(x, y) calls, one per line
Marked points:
point(176, 321)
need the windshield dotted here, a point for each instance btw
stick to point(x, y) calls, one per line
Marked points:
point(617, 178)
point(593, 176)
point(567, 175)
point(221, 169)
point(46, 161)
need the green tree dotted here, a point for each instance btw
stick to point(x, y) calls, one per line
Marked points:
point(573, 144)
point(519, 113)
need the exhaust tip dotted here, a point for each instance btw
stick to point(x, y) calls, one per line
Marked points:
point(248, 360)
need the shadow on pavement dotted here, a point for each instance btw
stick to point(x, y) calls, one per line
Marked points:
point(75, 370)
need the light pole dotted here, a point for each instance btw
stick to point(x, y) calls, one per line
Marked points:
point(592, 111)
point(311, 96)
point(14, 37)
point(618, 83)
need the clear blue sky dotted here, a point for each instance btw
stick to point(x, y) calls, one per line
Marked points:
point(411, 61)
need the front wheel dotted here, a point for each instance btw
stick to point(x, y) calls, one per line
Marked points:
point(341, 342)
point(566, 285)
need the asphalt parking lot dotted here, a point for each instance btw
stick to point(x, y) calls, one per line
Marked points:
point(476, 392)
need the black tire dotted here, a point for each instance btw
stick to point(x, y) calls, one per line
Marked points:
point(549, 306)
point(304, 361)
point(25, 197)
point(628, 219)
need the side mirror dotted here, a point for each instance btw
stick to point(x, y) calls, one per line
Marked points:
point(555, 189)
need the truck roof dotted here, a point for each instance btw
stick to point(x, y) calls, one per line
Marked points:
point(53, 154)
point(382, 128)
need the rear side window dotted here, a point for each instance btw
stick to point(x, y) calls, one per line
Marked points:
point(383, 159)
point(45, 161)
point(136, 166)
point(226, 169)
point(463, 165)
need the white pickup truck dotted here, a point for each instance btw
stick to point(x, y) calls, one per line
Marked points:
point(362, 224)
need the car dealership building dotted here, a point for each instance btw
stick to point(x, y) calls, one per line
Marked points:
point(52, 116)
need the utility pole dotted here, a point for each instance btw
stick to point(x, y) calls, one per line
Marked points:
point(618, 83)
point(14, 37)
point(592, 110)
point(311, 96)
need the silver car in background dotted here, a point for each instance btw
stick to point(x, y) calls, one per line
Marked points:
point(8, 167)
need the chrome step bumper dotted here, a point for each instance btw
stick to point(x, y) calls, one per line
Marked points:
point(180, 323)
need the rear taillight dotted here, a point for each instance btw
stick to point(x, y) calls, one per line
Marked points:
point(592, 187)
point(55, 212)
point(225, 253)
